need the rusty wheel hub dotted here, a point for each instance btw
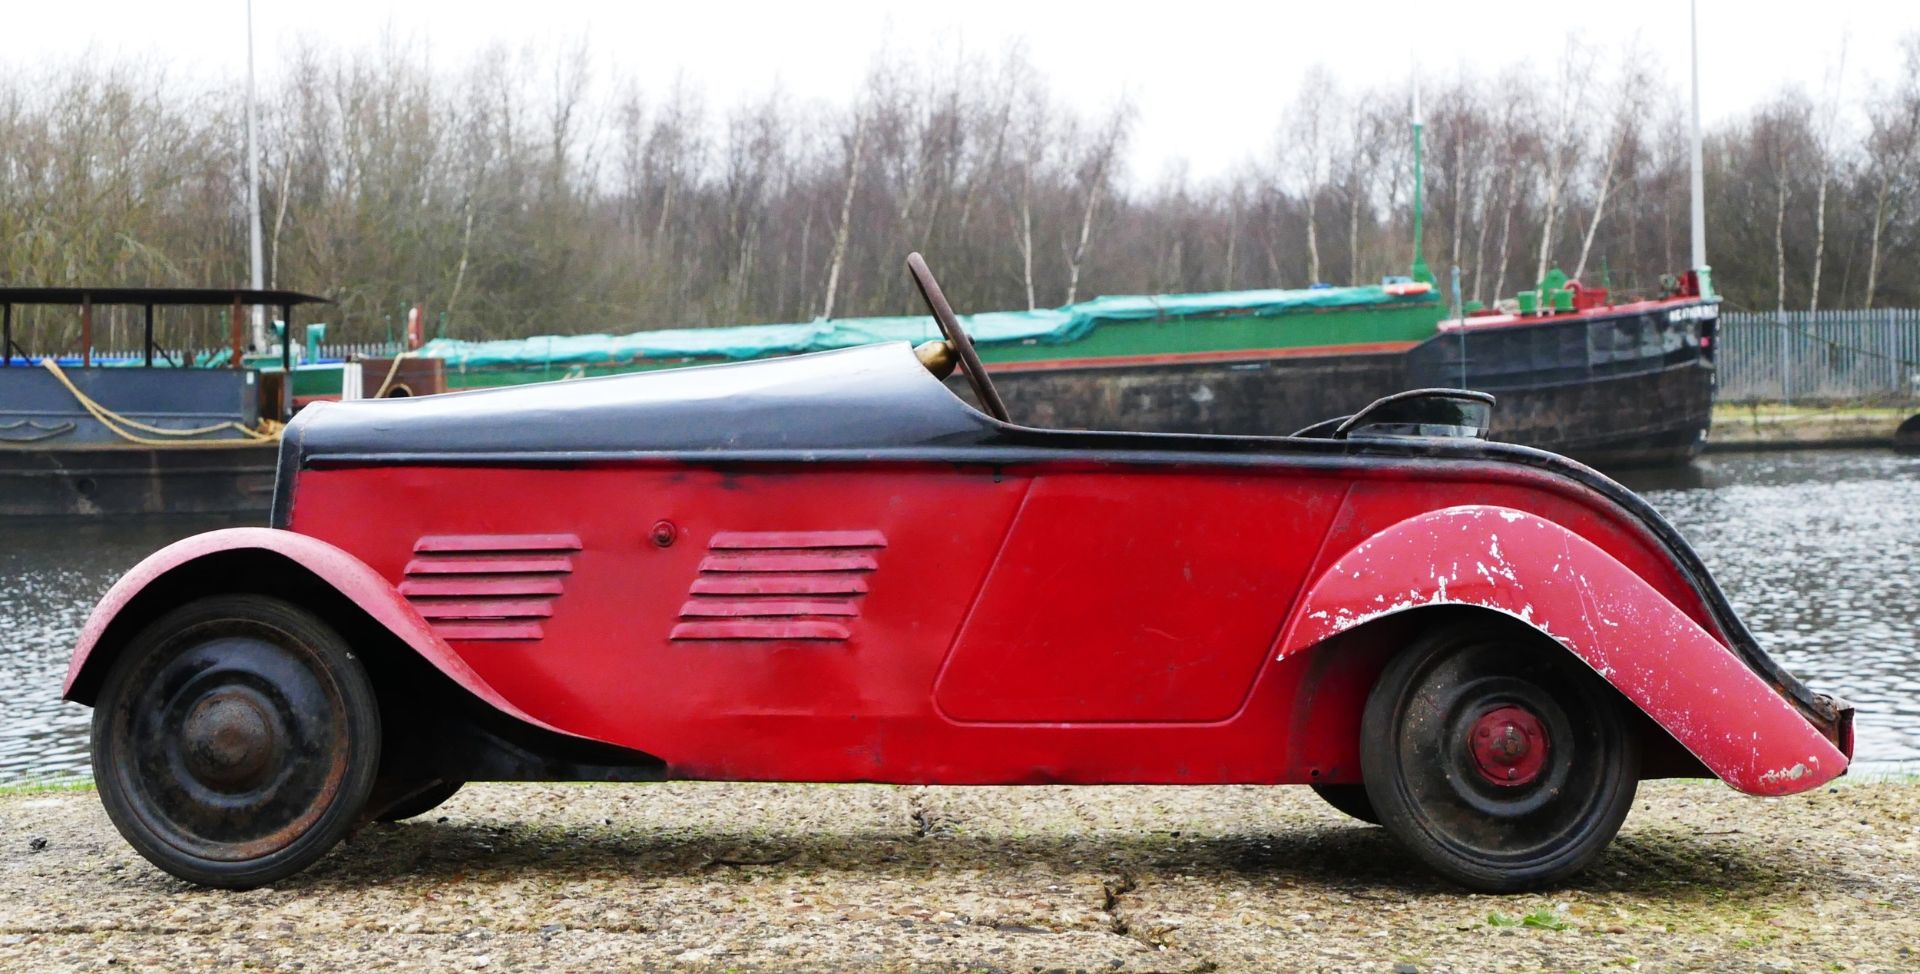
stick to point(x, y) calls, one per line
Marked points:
point(229, 739)
point(1509, 746)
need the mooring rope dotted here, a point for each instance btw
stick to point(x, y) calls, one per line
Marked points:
point(392, 370)
point(113, 421)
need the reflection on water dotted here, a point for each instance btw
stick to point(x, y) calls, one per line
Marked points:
point(1819, 551)
point(51, 574)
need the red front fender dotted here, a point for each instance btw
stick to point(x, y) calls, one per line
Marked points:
point(346, 574)
point(1611, 618)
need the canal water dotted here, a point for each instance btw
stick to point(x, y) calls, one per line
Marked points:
point(1819, 551)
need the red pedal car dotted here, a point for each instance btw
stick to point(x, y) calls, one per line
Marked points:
point(832, 568)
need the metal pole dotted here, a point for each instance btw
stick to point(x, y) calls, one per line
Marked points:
point(1786, 358)
point(253, 196)
point(236, 332)
point(286, 363)
point(6, 336)
point(86, 331)
point(146, 349)
point(1418, 271)
point(1460, 322)
point(1698, 188)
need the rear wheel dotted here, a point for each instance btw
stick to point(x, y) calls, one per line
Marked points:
point(235, 741)
point(1503, 762)
point(1349, 799)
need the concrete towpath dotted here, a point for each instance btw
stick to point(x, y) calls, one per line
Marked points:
point(796, 877)
point(1743, 428)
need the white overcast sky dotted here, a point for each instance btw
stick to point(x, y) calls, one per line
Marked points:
point(1210, 80)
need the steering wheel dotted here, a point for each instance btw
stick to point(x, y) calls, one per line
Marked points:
point(957, 337)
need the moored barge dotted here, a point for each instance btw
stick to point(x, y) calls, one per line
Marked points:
point(149, 435)
point(1615, 385)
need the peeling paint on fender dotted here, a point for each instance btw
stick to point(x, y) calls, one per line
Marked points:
point(1660, 659)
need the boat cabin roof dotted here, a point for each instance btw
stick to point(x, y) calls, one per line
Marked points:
point(212, 296)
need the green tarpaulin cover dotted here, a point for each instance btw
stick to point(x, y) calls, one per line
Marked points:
point(1057, 326)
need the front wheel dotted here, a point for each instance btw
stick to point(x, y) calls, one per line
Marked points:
point(235, 741)
point(1498, 758)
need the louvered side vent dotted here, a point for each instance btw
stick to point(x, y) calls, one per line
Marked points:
point(780, 585)
point(488, 586)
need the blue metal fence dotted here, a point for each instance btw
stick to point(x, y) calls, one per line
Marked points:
point(1820, 356)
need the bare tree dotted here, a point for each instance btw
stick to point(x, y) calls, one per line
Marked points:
point(522, 195)
point(1892, 146)
point(1366, 141)
point(1306, 148)
point(1782, 137)
point(1631, 99)
point(856, 152)
point(1517, 145)
point(1822, 149)
point(1094, 173)
point(1575, 77)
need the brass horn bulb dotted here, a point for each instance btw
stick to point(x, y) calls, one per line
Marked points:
point(937, 356)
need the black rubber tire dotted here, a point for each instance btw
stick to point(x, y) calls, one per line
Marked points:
point(1423, 780)
point(420, 802)
point(235, 741)
point(1350, 800)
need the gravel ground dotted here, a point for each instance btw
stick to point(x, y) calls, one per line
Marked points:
point(820, 877)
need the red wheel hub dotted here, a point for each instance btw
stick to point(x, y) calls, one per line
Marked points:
point(1509, 745)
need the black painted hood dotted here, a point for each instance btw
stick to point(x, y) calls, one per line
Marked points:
point(873, 396)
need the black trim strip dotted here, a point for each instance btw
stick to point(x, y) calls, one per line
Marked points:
point(286, 477)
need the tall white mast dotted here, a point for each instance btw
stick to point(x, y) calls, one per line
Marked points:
point(253, 197)
point(1699, 193)
point(1418, 270)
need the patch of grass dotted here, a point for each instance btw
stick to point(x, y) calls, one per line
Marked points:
point(1544, 919)
point(1541, 919)
point(35, 786)
point(1903, 774)
point(1731, 410)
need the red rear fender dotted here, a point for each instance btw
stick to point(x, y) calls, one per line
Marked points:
point(207, 564)
point(1569, 589)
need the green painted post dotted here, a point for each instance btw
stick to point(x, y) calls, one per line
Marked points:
point(1420, 271)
